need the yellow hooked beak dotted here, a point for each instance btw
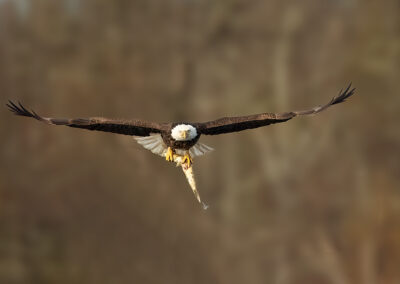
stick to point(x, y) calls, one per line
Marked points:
point(184, 134)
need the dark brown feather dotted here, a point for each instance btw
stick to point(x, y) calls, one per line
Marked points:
point(143, 128)
point(127, 127)
point(235, 124)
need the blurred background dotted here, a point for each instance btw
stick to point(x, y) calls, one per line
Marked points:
point(313, 200)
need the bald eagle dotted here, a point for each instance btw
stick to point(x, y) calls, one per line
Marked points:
point(177, 140)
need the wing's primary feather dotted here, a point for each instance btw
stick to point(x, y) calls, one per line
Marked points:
point(234, 124)
point(134, 127)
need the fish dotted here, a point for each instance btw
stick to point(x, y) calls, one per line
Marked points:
point(189, 173)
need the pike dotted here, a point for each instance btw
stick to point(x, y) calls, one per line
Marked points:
point(188, 171)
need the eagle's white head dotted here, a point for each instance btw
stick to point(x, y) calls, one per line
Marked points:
point(183, 132)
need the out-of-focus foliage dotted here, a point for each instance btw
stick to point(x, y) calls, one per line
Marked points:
point(314, 200)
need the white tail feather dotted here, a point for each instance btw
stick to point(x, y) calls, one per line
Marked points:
point(199, 149)
point(156, 145)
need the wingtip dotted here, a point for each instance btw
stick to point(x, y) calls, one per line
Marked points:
point(20, 109)
point(11, 107)
point(344, 95)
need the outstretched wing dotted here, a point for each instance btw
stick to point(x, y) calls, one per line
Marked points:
point(235, 124)
point(127, 127)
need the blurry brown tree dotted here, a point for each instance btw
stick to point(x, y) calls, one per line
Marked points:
point(312, 201)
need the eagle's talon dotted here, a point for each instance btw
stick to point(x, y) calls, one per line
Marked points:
point(187, 160)
point(169, 156)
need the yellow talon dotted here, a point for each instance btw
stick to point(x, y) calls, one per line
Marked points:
point(169, 156)
point(187, 160)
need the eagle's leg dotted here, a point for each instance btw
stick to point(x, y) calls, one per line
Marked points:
point(169, 156)
point(187, 159)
